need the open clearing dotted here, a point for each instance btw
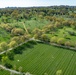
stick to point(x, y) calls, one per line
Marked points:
point(44, 58)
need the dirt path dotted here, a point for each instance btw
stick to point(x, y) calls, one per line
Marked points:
point(16, 46)
point(12, 71)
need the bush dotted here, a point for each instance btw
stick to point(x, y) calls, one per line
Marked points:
point(18, 51)
point(33, 42)
point(8, 65)
point(0, 57)
point(61, 41)
point(11, 55)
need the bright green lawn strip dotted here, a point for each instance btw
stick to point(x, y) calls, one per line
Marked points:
point(73, 61)
point(40, 62)
point(74, 69)
point(48, 63)
point(38, 57)
point(45, 60)
point(70, 69)
point(54, 57)
point(57, 60)
point(64, 63)
point(56, 63)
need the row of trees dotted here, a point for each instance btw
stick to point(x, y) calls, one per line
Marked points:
point(10, 14)
point(13, 42)
point(62, 41)
point(40, 34)
point(13, 30)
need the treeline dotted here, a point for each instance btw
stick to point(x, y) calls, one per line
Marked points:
point(17, 14)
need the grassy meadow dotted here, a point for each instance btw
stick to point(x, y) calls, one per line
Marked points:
point(45, 59)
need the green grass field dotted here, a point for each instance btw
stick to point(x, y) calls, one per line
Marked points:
point(46, 59)
point(3, 72)
point(30, 24)
point(4, 36)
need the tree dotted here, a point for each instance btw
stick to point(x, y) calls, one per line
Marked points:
point(37, 33)
point(26, 36)
point(8, 65)
point(54, 39)
point(16, 39)
point(44, 38)
point(12, 44)
point(17, 31)
point(6, 27)
point(36, 36)
point(4, 45)
point(10, 55)
point(61, 41)
point(15, 14)
point(67, 43)
point(45, 29)
point(4, 58)
point(51, 27)
point(1, 49)
point(58, 25)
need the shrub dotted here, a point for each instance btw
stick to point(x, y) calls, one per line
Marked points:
point(8, 65)
point(61, 41)
point(33, 42)
point(11, 55)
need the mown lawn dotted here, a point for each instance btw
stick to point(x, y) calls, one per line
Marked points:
point(3, 72)
point(46, 59)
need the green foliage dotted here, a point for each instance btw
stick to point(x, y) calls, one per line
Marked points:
point(4, 45)
point(61, 41)
point(53, 39)
point(8, 65)
point(46, 57)
point(44, 38)
point(10, 55)
point(17, 31)
point(12, 44)
point(4, 59)
point(33, 42)
point(59, 72)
